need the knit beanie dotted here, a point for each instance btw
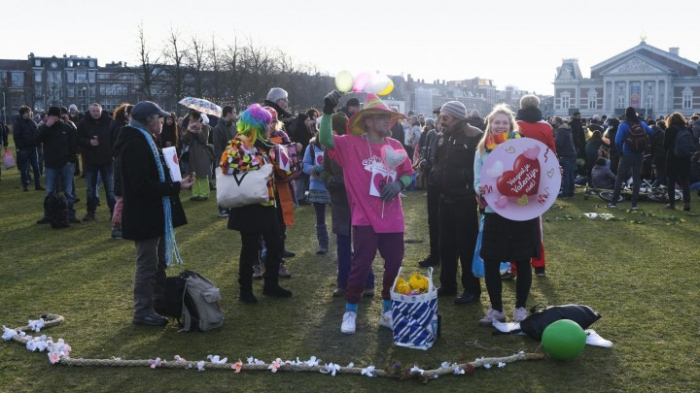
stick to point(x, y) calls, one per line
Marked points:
point(456, 109)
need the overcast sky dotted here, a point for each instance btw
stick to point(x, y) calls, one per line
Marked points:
point(518, 43)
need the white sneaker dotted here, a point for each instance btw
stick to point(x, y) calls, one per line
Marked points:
point(519, 314)
point(593, 338)
point(492, 315)
point(385, 320)
point(348, 326)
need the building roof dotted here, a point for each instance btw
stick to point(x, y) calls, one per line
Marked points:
point(644, 46)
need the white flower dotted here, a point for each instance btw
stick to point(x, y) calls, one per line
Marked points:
point(330, 368)
point(445, 365)
point(487, 366)
point(368, 371)
point(313, 361)
point(200, 365)
point(31, 346)
point(215, 359)
point(416, 369)
point(351, 365)
point(8, 334)
point(250, 360)
point(36, 325)
point(501, 364)
point(258, 362)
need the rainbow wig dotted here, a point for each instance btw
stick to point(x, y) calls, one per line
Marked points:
point(253, 123)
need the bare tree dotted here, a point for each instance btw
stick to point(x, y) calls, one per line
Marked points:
point(175, 54)
point(215, 64)
point(147, 74)
point(196, 66)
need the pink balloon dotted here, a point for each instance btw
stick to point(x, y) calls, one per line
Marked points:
point(360, 81)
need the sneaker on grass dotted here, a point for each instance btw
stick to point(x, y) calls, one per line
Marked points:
point(492, 315)
point(348, 326)
point(385, 319)
point(519, 314)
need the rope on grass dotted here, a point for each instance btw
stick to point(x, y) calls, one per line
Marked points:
point(61, 354)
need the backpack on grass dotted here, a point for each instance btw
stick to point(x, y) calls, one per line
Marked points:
point(637, 139)
point(684, 144)
point(194, 301)
point(56, 207)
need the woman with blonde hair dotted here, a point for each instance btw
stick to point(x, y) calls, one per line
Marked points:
point(504, 239)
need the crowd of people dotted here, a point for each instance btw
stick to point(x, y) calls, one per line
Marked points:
point(335, 156)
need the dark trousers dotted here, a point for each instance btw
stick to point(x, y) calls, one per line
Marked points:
point(250, 245)
point(344, 243)
point(459, 228)
point(495, 287)
point(434, 220)
point(149, 276)
point(682, 180)
point(367, 242)
point(634, 163)
point(106, 171)
point(25, 159)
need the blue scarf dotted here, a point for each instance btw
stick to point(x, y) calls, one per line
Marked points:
point(170, 242)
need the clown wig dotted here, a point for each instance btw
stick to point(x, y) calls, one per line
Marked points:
point(253, 123)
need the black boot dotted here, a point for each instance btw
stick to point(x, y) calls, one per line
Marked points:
point(273, 288)
point(322, 236)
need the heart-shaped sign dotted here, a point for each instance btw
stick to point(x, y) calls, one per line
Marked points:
point(393, 158)
point(379, 180)
point(319, 159)
point(496, 170)
point(524, 179)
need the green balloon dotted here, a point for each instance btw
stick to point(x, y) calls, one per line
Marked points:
point(563, 339)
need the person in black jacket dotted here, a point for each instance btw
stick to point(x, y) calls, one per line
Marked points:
point(60, 148)
point(3, 141)
point(24, 133)
point(677, 168)
point(453, 174)
point(149, 193)
point(121, 119)
point(95, 139)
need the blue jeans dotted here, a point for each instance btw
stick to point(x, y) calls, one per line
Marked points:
point(106, 171)
point(64, 173)
point(567, 181)
point(631, 162)
point(25, 158)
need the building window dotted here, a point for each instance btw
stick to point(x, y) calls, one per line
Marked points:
point(650, 102)
point(687, 98)
point(70, 92)
point(54, 77)
point(565, 101)
point(17, 79)
point(37, 76)
point(81, 77)
point(37, 63)
point(70, 76)
point(592, 101)
point(91, 76)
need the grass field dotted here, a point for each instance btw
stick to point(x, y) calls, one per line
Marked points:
point(640, 271)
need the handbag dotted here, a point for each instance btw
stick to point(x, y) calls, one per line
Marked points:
point(9, 159)
point(243, 188)
point(414, 318)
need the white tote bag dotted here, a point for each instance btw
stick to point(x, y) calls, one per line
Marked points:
point(414, 318)
point(243, 188)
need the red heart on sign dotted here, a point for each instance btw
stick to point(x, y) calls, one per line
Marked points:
point(524, 179)
point(319, 159)
point(379, 181)
point(175, 159)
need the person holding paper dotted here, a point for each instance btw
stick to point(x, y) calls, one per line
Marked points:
point(152, 209)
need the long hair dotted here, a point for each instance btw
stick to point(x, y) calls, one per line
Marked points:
point(172, 129)
point(122, 112)
point(676, 119)
point(497, 110)
point(253, 123)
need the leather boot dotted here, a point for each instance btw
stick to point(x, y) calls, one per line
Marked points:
point(322, 236)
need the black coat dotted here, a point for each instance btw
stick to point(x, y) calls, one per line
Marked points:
point(60, 144)
point(453, 170)
point(675, 166)
point(143, 217)
point(24, 133)
point(88, 128)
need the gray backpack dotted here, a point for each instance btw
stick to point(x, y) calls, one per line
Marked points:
point(197, 298)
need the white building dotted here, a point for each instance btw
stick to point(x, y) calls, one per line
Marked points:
point(654, 81)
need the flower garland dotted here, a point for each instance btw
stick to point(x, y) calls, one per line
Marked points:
point(59, 352)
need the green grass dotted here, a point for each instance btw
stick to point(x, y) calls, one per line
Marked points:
point(640, 272)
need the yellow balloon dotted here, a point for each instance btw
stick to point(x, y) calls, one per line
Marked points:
point(388, 89)
point(343, 81)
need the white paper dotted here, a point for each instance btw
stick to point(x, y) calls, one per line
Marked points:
point(173, 163)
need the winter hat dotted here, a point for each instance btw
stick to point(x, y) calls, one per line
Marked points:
point(72, 107)
point(352, 102)
point(455, 109)
point(64, 111)
point(54, 111)
point(429, 121)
